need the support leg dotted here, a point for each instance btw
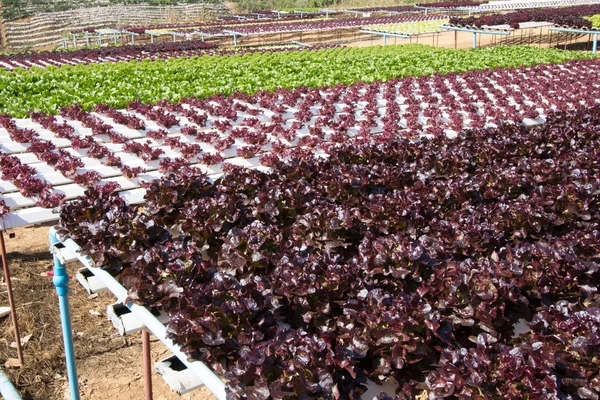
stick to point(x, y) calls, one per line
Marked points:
point(147, 364)
point(474, 40)
point(61, 281)
point(11, 300)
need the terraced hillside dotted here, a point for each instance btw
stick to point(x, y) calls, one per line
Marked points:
point(45, 29)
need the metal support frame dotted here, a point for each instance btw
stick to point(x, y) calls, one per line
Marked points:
point(386, 34)
point(208, 377)
point(11, 300)
point(583, 32)
point(87, 39)
point(204, 35)
point(235, 35)
point(61, 281)
point(300, 43)
point(474, 32)
point(175, 35)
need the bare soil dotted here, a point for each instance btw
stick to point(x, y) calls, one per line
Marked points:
point(109, 366)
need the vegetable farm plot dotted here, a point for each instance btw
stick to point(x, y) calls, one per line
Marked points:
point(104, 54)
point(406, 262)
point(431, 227)
point(567, 16)
point(162, 51)
point(324, 25)
point(117, 84)
point(46, 159)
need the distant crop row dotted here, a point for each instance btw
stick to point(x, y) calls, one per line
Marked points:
point(120, 83)
point(568, 16)
point(112, 54)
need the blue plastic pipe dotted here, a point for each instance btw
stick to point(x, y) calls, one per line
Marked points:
point(7, 389)
point(61, 281)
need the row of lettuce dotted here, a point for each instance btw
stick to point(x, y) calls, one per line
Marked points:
point(150, 81)
point(464, 267)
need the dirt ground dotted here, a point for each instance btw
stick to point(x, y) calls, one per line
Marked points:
point(537, 37)
point(109, 366)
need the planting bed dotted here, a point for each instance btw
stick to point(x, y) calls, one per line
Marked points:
point(120, 83)
point(46, 160)
point(163, 51)
point(410, 262)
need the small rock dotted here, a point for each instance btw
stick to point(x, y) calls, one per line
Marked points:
point(24, 341)
point(4, 311)
point(12, 363)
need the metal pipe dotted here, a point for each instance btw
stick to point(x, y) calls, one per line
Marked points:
point(208, 377)
point(7, 389)
point(595, 45)
point(146, 359)
point(474, 40)
point(61, 281)
point(11, 300)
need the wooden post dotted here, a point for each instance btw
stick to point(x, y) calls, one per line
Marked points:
point(146, 360)
point(521, 39)
point(11, 300)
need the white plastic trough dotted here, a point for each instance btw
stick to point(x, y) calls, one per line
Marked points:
point(125, 322)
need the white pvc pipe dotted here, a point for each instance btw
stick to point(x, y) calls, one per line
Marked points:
point(205, 374)
point(7, 389)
